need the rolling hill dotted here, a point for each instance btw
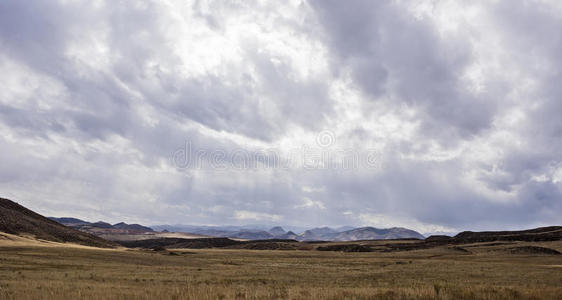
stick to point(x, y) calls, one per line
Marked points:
point(87, 226)
point(18, 220)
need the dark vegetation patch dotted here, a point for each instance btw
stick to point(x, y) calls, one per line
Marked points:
point(532, 250)
point(180, 243)
point(346, 248)
point(269, 246)
point(203, 243)
point(438, 238)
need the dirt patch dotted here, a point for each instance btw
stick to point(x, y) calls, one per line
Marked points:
point(459, 250)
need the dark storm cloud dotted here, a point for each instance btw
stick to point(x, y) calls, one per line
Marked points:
point(393, 55)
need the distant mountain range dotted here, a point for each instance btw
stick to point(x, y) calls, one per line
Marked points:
point(102, 227)
point(250, 232)
point(314, 234)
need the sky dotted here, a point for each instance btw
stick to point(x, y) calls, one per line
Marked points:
point(438, 116)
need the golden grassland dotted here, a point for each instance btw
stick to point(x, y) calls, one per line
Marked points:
point(36, 270)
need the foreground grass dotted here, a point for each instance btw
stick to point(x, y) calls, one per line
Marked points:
point(33, 272)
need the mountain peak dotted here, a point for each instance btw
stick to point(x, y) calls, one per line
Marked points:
point(277, 230)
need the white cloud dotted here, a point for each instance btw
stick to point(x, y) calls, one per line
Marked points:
point(245, 215)
point(309, 203)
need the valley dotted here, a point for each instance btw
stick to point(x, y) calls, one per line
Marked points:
point(43, 259)
point(40, 271)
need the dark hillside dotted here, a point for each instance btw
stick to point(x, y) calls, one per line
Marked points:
point(16, 219)
point(552, 233)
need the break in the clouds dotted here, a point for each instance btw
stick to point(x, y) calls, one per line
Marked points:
point(199, 112)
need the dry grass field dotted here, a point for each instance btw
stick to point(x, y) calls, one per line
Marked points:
point(486, 271)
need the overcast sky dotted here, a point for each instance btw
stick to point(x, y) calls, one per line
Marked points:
point(238, 112)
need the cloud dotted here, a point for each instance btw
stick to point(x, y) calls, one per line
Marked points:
point(452, 107)
point(309, 203)
point(392, 56)
point(245, 215)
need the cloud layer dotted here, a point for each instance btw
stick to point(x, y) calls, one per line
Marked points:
point(453, 110)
